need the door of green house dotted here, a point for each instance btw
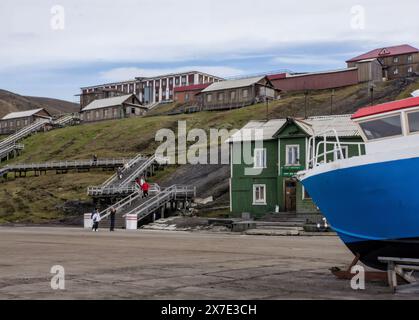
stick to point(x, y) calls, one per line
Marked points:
point(290, 196)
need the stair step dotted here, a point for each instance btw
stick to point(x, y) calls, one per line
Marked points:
point(290, 228)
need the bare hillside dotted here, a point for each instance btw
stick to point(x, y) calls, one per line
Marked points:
point(11, 102)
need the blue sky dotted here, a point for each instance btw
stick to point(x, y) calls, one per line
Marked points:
point(52, 51)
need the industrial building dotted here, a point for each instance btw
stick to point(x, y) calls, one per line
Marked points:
point(15, 121)
point(284, 152)
point(149, 90)
point(361, 72)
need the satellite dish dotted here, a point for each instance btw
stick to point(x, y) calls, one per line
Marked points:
point(415, 93)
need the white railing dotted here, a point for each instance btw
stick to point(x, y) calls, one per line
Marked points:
point(318, 147)
point(127, 166)
point(161, 198)
point(24, 132)
point(10, 148)
point(154, 189)
point(70, 164)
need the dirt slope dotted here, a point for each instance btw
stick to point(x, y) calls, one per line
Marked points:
point(11, 102)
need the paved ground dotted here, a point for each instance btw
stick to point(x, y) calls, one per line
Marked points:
point(173, 265)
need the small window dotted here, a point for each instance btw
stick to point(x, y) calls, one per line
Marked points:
point(410, 58)
point(187, 97)
point(260, 158)
point(396, 71)
point(245, 93)
point(382, 128)
point(410, 70)
point(209, 98)
point(220, 96)
point(259, 194)
point(292, 155)
point(233, 95)
point(18, 123)
point(396, 60)
point(132, 110)
point(337, 155)
point(413, 120)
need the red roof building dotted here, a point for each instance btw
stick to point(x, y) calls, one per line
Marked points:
point(386, 107)
point(397, 61)
point(187, 94)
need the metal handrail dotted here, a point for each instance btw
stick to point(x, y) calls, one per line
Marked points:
point(127, 201)
point(139, 171)
point(170, 192)
point(133, 161)
point(24, 132)
point(70, 163)
point(314, 154)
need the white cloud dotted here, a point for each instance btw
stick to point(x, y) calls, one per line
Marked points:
point(141, 31)
point(120, 74)
point(306, 60)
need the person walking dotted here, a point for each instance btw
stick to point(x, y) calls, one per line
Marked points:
point(94, 159)
point(96, 219)
point(112, 219)
point(145, 187)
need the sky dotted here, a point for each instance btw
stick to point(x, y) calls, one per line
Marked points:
point(52, 48)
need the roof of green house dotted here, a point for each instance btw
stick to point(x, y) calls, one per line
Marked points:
point(268, 130)
point(262, 130)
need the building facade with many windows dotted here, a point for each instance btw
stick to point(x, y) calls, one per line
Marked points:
point(149, 90)
point(265, 156)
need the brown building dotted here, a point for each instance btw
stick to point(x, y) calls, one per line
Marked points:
point(15, 121)
point(397, 62)
point(113, 108)
point(362, 71)
point(189, 94)
point(237, 93)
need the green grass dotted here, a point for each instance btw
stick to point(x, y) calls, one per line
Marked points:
point(38, 199)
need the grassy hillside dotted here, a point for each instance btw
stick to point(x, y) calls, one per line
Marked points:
point(11, 102)
point(35, 199)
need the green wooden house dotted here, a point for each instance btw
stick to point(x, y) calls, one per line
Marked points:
point(266, 155)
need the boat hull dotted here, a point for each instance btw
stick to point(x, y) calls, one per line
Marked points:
point(373, 207)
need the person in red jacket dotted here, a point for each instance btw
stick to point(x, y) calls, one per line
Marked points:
point(145, 187)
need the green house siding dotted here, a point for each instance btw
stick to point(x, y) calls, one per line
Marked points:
point(278, 172)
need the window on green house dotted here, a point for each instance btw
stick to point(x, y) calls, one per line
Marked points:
point(260, 158)
point(259, 194)
point(292, 155)
point(337, 155)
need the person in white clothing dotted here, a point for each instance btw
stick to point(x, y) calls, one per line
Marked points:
point(96, 219)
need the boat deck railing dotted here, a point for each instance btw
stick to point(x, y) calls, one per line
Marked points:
point(318, 147)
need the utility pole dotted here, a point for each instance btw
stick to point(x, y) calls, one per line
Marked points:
point(371, 86)
point(331, 101)
point(267, 107)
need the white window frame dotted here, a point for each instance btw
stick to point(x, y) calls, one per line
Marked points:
point(396, 60)
point(345, 150)
point(410, 69)
point(287, 160)
point(255, 157)
point(410, 58)
point(260, 202)
point(396, 71)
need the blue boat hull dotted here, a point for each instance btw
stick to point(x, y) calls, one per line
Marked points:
point(373, 207)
